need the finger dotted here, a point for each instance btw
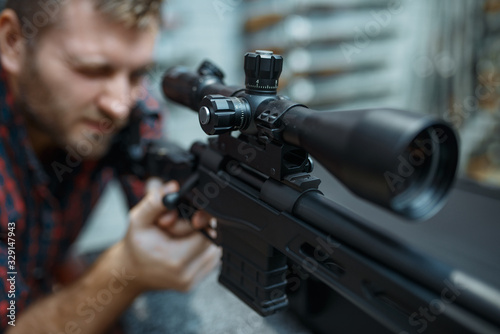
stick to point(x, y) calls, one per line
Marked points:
point(193, 246)
point(201, 266)
point(169, 187)
point(153, 184)
point(201, 219)
point(179, 228)
point(151, 207)
point(182, 228)
point(168, 219)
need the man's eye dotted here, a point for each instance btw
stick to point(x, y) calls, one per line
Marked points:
point(136, 77)
point(95, 72)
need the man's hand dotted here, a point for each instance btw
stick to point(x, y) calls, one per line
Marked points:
point(170, 221)
point(158, 252)
point(163, 251)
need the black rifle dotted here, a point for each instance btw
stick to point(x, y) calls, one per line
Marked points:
point(270, 212)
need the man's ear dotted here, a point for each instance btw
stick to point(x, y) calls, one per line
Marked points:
point(12, 43)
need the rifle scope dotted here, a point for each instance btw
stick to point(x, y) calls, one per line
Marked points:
point(400, 160)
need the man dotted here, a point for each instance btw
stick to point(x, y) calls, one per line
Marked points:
point(69, 72)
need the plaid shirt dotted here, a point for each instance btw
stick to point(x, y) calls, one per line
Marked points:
point(42, 210)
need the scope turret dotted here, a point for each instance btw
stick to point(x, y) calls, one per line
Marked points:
point(262, 70)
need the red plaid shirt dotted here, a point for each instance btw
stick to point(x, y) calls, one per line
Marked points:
point(41, 210)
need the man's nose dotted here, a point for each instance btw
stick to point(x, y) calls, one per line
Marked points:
point(116, 101)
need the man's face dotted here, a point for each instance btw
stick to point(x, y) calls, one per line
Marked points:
point(79, 82)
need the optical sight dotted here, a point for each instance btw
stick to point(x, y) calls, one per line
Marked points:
point(403, 161)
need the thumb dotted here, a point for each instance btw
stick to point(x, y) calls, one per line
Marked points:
point(152, 184)
point(151, 207)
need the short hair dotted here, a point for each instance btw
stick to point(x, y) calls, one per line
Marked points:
point(41, 14)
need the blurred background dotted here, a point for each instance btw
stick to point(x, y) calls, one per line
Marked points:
point(436, 57)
